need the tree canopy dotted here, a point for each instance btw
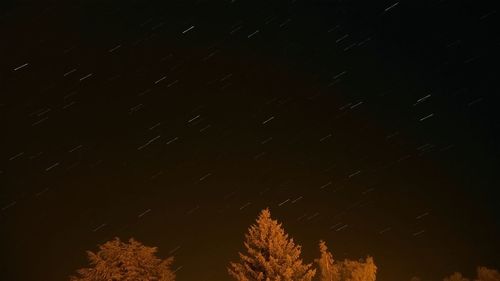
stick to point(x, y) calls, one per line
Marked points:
point(346, 270)
point(270, 255)
point(328, 270)
point(122, 261)
point(456, 276)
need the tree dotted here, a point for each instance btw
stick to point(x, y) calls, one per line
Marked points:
point(358, 270)
point(346, 270)
point(121, 261)
point(270, 255)
point(486, 274)
point(328, 269)
point(456, 276)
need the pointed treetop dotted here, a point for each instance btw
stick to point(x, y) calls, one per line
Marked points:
point(329, 271)
point(270, 255)
point(265, 214)
point(322, 246)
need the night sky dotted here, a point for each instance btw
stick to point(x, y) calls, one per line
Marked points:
point(373, 125)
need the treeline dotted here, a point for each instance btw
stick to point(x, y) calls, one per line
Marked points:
point(270, 255)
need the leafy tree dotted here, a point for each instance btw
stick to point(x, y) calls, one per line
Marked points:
point(486, 274)
point(270, 255)
point(358, 270)
point(456, 276)
point(328, 269)
point(121, 261)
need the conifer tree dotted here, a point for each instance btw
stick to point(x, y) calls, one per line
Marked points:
point(121, 261)
point(270, 255)
point(329, 271)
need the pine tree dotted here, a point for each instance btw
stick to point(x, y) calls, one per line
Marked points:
point(121, 261)
point(328, 269)
point(270, 255)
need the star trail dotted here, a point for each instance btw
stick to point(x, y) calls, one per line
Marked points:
point(373, 125)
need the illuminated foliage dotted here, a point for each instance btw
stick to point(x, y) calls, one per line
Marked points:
point(121, 261)
point(328, 270)
point(456, 276)
point(483, 274)
point(486, 274)
point(358, 270)
point(270, 255)
point(347, 270)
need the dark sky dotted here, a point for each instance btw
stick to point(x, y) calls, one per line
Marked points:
point(373, 125)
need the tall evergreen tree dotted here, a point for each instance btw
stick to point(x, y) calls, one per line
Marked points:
point(270, 255)
point(328, 269)
point(121, 261)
